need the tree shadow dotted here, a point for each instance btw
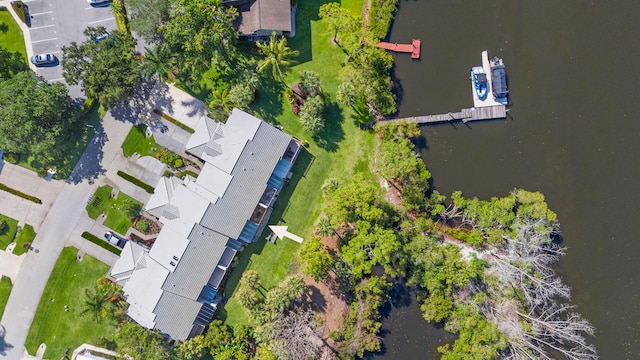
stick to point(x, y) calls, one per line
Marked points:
point(332, 133)
point(269, 103)
point(89, 166)
point(4, 346)
point(138, 108)
point(314, 299)
point(4, 27)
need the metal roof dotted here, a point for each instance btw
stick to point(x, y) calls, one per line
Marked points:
point(178, 314)
point(250, 175)
point(198, 261)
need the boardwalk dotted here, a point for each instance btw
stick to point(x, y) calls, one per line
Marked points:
point(413, 48)
point(472, 114)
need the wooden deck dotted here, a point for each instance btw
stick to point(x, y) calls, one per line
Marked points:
point(413, 48)
point(472, 114)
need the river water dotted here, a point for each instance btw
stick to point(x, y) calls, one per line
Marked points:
point(573, 70)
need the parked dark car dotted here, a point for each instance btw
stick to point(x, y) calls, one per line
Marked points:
point(115, 240)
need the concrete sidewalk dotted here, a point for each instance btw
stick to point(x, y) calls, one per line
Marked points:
point(10, 265)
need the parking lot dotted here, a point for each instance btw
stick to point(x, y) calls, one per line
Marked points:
point(56, 23)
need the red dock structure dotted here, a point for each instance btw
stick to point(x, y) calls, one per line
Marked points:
point(413, 48)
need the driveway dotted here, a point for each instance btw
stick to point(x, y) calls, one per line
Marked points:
point(27, 181)
point(55, 24)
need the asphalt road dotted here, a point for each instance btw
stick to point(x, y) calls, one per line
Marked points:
point(57, 23)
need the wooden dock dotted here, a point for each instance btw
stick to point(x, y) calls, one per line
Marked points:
point(472, 114)
point(413, 48)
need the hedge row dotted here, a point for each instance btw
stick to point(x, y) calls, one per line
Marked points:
point(20, 193)
point(174, 121)
point(148, 188)
point(100, 242)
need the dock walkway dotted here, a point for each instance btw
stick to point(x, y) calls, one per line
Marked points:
point(413, 48)
point(472, 114)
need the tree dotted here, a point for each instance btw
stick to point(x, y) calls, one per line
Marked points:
point(247, 290)
point(220, 99)
point(316, 259)
point(107, 70)
point(241, 95)
point(277, 56)
point(310, 84)
point(346, 28)
point(372, 246)
point(37, 118)
point(296, 335)
point(199, 33)
point(147, 16)
point(311, 114)
point(11, 63)
point(157, 62)
point(323, 226)
point(140, 344)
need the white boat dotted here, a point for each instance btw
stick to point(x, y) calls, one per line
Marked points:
point(479, 79)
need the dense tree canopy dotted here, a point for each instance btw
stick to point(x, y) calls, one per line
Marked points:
point(37, 118)
point(107, 69)
point(11, 63)
point(200, 32)
point(141, 344)
point(147, 16)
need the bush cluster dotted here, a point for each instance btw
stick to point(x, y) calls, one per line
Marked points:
point(148, 188)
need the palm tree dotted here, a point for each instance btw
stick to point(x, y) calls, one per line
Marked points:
point(95, 301)
point(278, 56)
point(157, 62)
point(323, 227)
point(221, 100)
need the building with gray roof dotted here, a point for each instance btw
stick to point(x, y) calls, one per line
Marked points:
point(174, 286)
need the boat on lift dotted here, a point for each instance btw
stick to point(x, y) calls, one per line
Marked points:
point(479, 79)
point(499, 80)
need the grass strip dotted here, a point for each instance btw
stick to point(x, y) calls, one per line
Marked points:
point(148, 188)
point(20, 194)
point(100, 242)
point(174, 121)
point(24, 240)
point(5, 291)
point(59, 328)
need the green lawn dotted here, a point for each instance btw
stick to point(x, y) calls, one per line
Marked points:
point(26, 236)
point(340, 151)
point(138, 142)
point(11, 35)
point(61, 329)
point(102, 203)
point(5, 290)
point(117, 219)
point(9, 233)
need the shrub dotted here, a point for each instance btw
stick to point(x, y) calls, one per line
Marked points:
point(142, 226)
point(311, 114)
point(18, 7)
point(241, 95)
point(3, 225)
point(170, 158)
point(310, 83)
point(178, 164)
point(13, 158)
point(148, 188)
point(183, 173)
point(102, 243)
point(20, 194)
